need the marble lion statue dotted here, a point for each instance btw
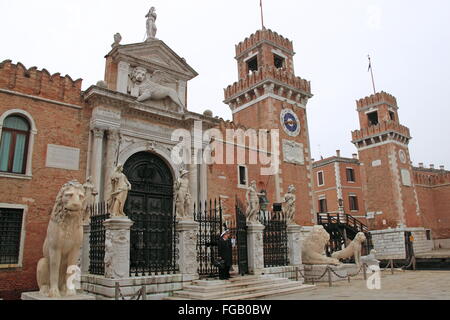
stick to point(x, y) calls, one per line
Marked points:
point(63, 242)
point(352, 250)
point(149, 88)
point(314, 247)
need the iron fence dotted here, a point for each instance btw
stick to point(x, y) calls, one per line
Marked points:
point(98, 214)
point(275, 239)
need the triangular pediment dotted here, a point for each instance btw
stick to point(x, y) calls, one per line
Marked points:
point(154, 54)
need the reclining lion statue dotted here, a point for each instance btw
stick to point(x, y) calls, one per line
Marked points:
point(352, 250)
point(63, 242)
point(314, 247)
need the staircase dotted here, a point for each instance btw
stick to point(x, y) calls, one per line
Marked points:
point(239, 288)
point(343, 228)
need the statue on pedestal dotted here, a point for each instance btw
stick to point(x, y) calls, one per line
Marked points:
point(117, 39)
point(89, 197)
point(63, 242)
point(352, 250)
point(182, 195)
point(252, 197)
point(151, 24)
point(314, 248)
point(119, 192)
point(290, 199)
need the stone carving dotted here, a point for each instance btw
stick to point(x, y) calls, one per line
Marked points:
point(182, 196)
point(117, 39)
point(314, 247)
point(290, 200)
point(151, 24)
point(293, 152)
point(252, 197)
point(190, 245)
point(119, 192)
point(63, 242)
point(145, 87)
point(352, 250)
point(113, 241)
point(89, 197)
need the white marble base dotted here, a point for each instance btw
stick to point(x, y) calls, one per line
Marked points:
point(37, 296)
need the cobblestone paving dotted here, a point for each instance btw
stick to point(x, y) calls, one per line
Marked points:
point(403, 285)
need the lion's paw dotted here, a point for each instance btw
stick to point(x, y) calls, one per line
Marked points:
point(54, 293)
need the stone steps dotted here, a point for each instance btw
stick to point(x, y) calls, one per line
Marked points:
point(241, 288)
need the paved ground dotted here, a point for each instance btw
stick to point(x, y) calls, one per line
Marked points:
point(408, 285)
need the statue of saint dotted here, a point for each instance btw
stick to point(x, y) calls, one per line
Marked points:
point(119, 192)
point(151, 24)
point(290, 199)
point(117, 39)
point(182, 195)
point(89, 197)
point(252, 197)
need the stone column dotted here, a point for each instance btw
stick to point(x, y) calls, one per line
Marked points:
point(85, 259)
point(187, 247)
point(112, 146)
point(294, 245)
point(255, 246)
point(97, 157)
point(117, 248)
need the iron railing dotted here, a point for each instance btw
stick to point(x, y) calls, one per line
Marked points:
point(275, 239)
point(210, 220)
point(238, 228)
point(98, 214)
point(10, 235)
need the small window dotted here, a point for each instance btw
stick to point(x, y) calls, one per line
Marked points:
point(252, 64)
point(354, 203)
point(10, 235)
point(323, 206)
point(278, 61)
point(373, 118)
point(350, 175)
point(429, 235)
point(14, 145)
point(242, 176)
point(392, 115)
point(320, 179)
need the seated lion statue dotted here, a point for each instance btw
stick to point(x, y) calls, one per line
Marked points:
point(63, 242)
point(352, 250)
point(314, 247)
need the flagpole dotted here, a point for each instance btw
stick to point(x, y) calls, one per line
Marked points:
point(371, 72)
point(262, 14)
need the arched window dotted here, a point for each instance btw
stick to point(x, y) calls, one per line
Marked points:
point(14, 144)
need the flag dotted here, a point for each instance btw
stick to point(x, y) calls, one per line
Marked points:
point(260, 3)
point(370, 65)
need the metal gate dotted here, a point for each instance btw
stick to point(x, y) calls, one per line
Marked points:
point(241, 241)
point(210, 220)
point(98, 214)
point(275, 239)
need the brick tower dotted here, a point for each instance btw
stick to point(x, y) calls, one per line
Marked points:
point(269, 96)
point(382, 142)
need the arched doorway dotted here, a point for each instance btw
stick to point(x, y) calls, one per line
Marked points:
point(150, 207)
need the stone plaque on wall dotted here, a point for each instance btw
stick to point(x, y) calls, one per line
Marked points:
point(406, 178)
point(61, 157)
point(293, 152)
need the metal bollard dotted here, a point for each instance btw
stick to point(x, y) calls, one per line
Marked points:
point(392, 266)
point(365, 271)
point(144, 292)
point(330, 283)
point(117, 291)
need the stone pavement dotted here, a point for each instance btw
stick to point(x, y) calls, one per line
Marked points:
point(403, 285)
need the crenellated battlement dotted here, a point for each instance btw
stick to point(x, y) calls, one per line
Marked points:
point(382, 129)
point(431, 177)
point(17, 77)
point(251, 87)
point(378, 98)
point(264, 35)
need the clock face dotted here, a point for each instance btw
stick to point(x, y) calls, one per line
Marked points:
point(290, 122)
point(402, 156)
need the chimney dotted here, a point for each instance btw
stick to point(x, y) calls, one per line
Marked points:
point(442, 168)
point(431, 166)
point(421, 165)
point(338, 153)
point(313, 160)
point(355, 156)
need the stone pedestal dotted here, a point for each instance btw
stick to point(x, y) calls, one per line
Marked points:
point(117, 248)
point(294, 244)
point(30, 296)
point(187, 247)
point(255, 247)
point(85, 260)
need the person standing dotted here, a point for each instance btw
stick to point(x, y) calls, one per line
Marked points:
point(226, 254)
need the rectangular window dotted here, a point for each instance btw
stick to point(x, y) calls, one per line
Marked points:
point(242, 176)
point(320, 179)
point(278, 61)
point(429, 235)
point(392, 115)
point(10, 235)
point(252, 64)
point(350, 175)
point(323, 206)
point(354, 203)
point(373, 118)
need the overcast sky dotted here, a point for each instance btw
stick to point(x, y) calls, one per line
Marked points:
point(409, 41)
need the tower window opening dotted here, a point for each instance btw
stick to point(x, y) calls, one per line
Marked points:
point(278, 61)
point(373, 118)
point(392, 115)
point(252, 64)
